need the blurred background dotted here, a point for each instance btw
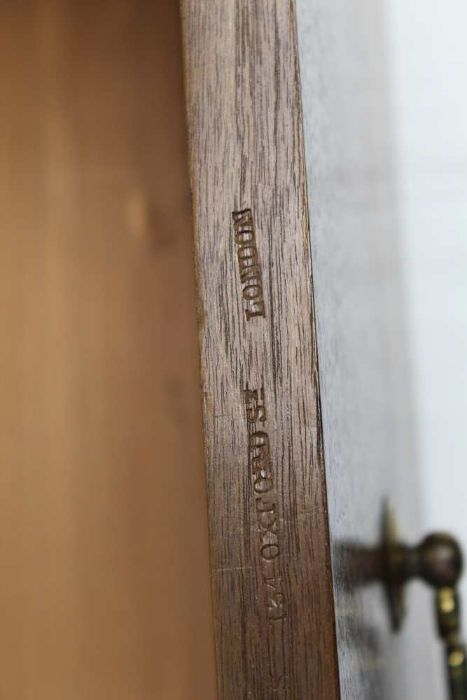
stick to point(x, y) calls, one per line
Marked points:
point(104, 591)
point(428, 73)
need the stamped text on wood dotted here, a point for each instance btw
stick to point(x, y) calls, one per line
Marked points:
point(248, 263)
point(272, 587)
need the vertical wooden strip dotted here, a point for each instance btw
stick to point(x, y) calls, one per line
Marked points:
point(270, 558)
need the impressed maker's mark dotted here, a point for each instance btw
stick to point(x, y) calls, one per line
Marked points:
point(269, 537)
point(249, 265)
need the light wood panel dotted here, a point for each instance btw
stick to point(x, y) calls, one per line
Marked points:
point(267, 498)
point(104, 586)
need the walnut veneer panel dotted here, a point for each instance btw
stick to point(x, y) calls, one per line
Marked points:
point(273, 604)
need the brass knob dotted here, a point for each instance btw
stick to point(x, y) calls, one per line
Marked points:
point(437, 560)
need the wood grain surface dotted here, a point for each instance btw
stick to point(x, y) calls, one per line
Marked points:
point(270, 558)
point(104, 586)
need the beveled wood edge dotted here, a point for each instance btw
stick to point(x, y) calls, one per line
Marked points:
point(204, 27)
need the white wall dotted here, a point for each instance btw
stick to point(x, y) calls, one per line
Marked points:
point(428, 63)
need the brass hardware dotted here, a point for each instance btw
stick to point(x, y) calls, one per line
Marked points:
point(438, 561)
